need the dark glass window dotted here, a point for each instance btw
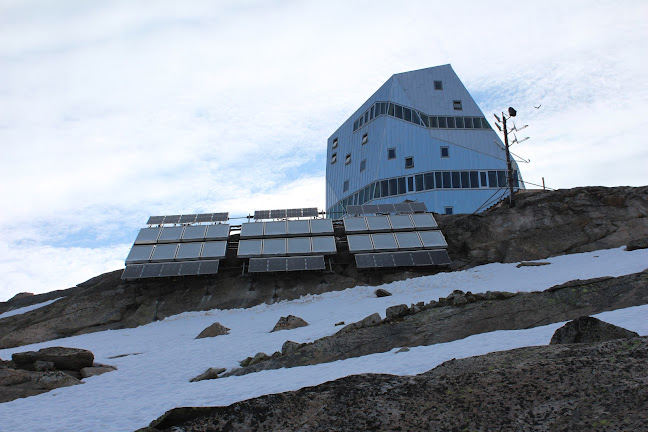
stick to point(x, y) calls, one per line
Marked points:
point(451, 122)
point(442, 122)
point(376, 189)
point(516, 181)
point(366, 117)
point(365, 139)
point(391, 153)
point(410, 184)
point(355, 125)
point(346, 186)
point(419, 182)
point(438, 85)
point(438, 180)
point(476, 123)
point(492, 179)
point(361, 196)
point(446, 180)
point(391, 109)
point(425, 119)
point(485, 124)
point(469, 122)
point(363, 165)
point(456, 182)
point(399, 111)
point(409, 162)
point(460, 122)
point(384, 188)
point(501, 178)
point(465, 179)
point(445, 152)
point(407, 114)
point(474, 179)
point(393, 187)
point(361, 122)
point(448, 210)
point(333, 158)
point(347, 159)
point(371, 113)
point(434, 122)
point(429, 180)
point(335, 143)
point(402, 189)
point(456, 104)
point(484, 182)
point(415, 118)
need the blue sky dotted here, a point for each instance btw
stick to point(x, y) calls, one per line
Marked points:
point(114, 111)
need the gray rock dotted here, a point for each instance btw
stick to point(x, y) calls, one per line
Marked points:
point(288, 323)
point(382, 293)
point(397, 311)
point(56, 379)
point(288, 347)
point(532, 264)
point(216, 329)
point(339, 323)
point(63, 358)
point(458, 299)
point(43, 366)
point(404, 349)
point(258, 358)
point(588, 330)
point(211, 373)
point(96, 370)
point(638, 243)
point(371, 320)
point(9, 377)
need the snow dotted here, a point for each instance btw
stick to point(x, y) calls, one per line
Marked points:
point(164, 355)
point(22, 310)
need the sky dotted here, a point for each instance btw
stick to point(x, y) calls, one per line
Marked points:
point(114, 111)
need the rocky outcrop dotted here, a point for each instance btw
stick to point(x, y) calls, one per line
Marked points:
point(380, 292)
point(211, 373)
point(59, 357)
point(587, 330)
point(288, 323)
point(216, 329)
point(450, 319)
point(583, 387)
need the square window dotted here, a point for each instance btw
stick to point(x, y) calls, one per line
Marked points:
point(333, 158)
point(363, 165)
point(347, 159)
point(448, 210)
point(456, 104)
point(391, 153)
point(346, 186)
point(409, 162)
point(335, 143)
point(445, 152)
point(365, 139)
point(438, 85)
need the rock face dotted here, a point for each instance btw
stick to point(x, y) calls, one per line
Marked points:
point(60, 357)
point(583, 387)
point(211, 373)
point(216, 329)
point(587, 330)
point(288, 323)
point(382, 293)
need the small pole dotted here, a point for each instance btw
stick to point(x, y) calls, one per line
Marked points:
point(508, 162)
point(543, 185)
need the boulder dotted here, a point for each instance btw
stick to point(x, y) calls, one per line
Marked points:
point(43, 366)
point(588, 330)
point(532, 264)
point(96, 370)
point(382, 293)
point(397, 311)
point(638, 243)
point(258, 358)
point(288, 347)
point(63, 358)
point(216, 329)
point(211, 373)
point(56, 379)
point(288, 323)
point(9, 377)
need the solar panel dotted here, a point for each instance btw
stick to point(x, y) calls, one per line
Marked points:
point(147, 235)
point(172, 219)
point(324, 245)
point(296, 263)
point(278, 214)
point(297, 227)
point(208, 267)
point(220, 217)
point(294, 212)
point(384, 241)
point(188, 251)
point(274, 246)
point(139, 254)
point(369, 209)
point(151, 270)
point(299, 245)
point(421, 258)
point(190, 218)
point(401, 222)
point(258, 265)
point(132, 271)
point(170, 234)
point(262, 214)
point(365, 261)
point(418, 207)
point(354, 210)
point(215, 249)
point(424, 220)
point(378, 223)
point(433, 239)
point(155, 220)
point(386, 208)
point(274, 228)
point(402, 208)
point(217, 232)
point(310, 212)
point(315, 263)
point(355, 224)
point(402, 259)
point(194, 233)
point(189, 268)
point(321, 226)
point(170, 269)
point(251, 229)
point(408, 240)
point(277, 264)
point(164, 252)
point(440, 257)
point(205, 217)
point(247, 248)
point(359, 243)
point(384, 260)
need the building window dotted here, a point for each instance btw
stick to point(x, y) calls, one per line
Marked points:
point(410, 184)
point(448, 210)
point(346, 186)
point(365, 139)
point(347, 159)
point(409, 162)
point(438, 85)
point(391, 153)
point(445, 152)
point(363, 165)
point(335, 143)
point(456, 104)
point(333, 158)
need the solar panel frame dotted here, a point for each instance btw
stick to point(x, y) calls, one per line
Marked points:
point(262, 214)
point(421, 258)
point(277, 264)
point(321, 226)
point(217, 232)
point(139, 254)
point(294, 212)
point(188, 251)
point(310, 212)
point(171, 234)
point(359, 243)
point(155, 220)
point(274, 229)
point(403, 259)
point(170, 269)
point(384, 242)
point(424, 221)
point(408, 240)
point(378, 223)
point(401, 222)
point(355, 224)
point(384, 260)
point(433, 239)
point(278, 214)
point(418, 207)
point(386, 208)
point(250, 248)
point(369, 208)
point(215, 249)
point(189, 218)
point(354, 210)
point(172, 219)
point(151, 270)
point(204, 217)
point(258, 265)
point(402, 208)
point(315, 262)
point(164, 252)
point(365, 261)
point(274, 247)
point(220, 217)
point(189, 268)
point(252, 229)
point(298, 227)
point(298, 246)
point(132, 271)
point(324, 245)
point(194, 233)
point(208, 267)
point(440, 257)
point(148, 235)
point(295, 263)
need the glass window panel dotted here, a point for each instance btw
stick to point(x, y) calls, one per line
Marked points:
point(399, 111)
point(516, 182)
point(298, 227)
point(429, 181)
point(410, 184)
point(324, 245)
point(148, 235)
point(492, 179)
point(451, 122)
point(402, 188)
point(384, 241)
point(460, 122)
point(249, 248)
point(415, 118)
point(474, 179)
point(442, 122)
point(409, 162)
point(164, 252)
point(384, 188)
point(275, 228)
point(215, 249)
point(139, 253)
point(274, 246)
point(361, 197)
point(408, 240)
point(424, 220)
point(465, 179)
point(251, 229)
point(456, 179)
point(366, 117)
point(485, 124)
point(434, 122)
point(375, 188)
point(391, 109)
point(371, 113)
point(170, 234)
point(477, 123)
point(425, 119)
point(446, 180)
point(355, 125)
point(501, 178)
point(433, 239)
point(407, 114)
point(391, 153)
point(361, 122)
point(469, 122)
point(419, 182)
point(363, 165)
point(189, 251)
point(359, 243)
point(484, 182)
point(438, 180)
point(299, 245)
point(378, 223)
point(399, 222)
point(321, 226)
point(393, 187)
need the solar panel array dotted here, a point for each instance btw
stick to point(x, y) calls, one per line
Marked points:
point(187, 219)
point(154, 270)
point(285, 213)
point(283, 264)
point(413, 207)
point(402, 259)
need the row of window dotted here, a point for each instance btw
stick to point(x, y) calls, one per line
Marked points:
point(423, 182)
point(418, 118)
point(391, 154)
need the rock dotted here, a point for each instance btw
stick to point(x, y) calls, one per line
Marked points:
point(404, 349)
point(96, 370)
point(639, 243)
point(245, 362)
point(288, 347)
point(371, 320)
point(43, 366)
point(211, 373)
point(457, 299)
point(21, 295)
point(340, 323)
point(588, 330)
point(397, 311)
point(63, 358)
point(216, 329)
point(258, 358)
point(532, 264)
point(382, 293)
point(56, 379)
point(288, 323)
point(9, 377)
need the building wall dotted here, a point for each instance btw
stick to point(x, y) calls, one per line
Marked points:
point(477, 150)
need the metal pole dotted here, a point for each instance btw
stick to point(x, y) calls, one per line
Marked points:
point(508, 162)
